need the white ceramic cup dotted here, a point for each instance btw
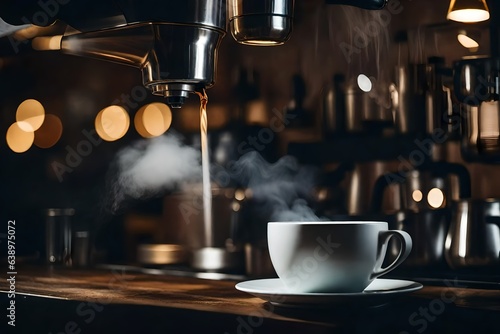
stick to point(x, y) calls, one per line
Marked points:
point(327, 256)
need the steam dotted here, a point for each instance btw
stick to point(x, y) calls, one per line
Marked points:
point(368, 37)
point(280, 189)
point(416, 46)
point(366, 44)
point(150, 166)
point(299, 211)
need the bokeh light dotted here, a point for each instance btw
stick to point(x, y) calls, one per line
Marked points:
point(467, 42)
point(112, 123)
point(19, 140)
point(435, 198)
point(49, 133)
point(30, 115)
point(47, 43)
point(153, 119)
point(417, 195)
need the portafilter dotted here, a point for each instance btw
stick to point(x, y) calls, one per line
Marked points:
point(174, 43)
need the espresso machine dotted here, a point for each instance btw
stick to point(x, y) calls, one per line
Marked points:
point(472, 242)
point(174, 44)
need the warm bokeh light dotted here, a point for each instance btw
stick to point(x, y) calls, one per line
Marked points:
point(417, 195)
point(153, 120)
point(112, 123)
point(49, 133)
point(467, 42)
point(19, 140)
point(30, 115)
point(139, 124)
point(239, 195)
point(435, 198)
point(255, 114)
point(26, 32)
point(47, 43)
point(235, 206)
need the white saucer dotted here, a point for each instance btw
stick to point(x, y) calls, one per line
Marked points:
point(379, 292)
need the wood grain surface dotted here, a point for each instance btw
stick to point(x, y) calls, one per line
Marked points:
point(450, 306)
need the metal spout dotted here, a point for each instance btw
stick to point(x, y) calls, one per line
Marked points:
point(175, 59)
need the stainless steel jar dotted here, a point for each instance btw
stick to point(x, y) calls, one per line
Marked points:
point(211, 247)
point(481, 131)
point(261, 23)
point(473, 239)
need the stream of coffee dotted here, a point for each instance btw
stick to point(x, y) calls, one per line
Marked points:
point(205, 163)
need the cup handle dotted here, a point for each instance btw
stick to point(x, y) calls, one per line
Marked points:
point(405, 244)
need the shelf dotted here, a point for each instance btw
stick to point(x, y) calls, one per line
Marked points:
point(360, 148)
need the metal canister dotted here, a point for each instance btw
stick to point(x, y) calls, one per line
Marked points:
point(473, 239)
point(58, 236)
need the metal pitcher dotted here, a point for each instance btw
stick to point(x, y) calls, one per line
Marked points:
point(473, 239)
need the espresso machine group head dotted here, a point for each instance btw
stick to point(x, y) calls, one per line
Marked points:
point(174, 43)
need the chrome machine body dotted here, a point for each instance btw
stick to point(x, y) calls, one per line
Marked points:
point(173, 43)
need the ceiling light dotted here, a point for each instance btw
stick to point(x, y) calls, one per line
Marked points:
point(468, 11)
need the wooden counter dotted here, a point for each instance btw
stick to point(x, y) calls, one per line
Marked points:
point(111, 301)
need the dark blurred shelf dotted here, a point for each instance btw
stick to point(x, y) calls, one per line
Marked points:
point(479, 278)
point(359, 148)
